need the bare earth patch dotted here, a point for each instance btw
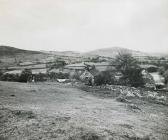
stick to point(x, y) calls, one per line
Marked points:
point(57, 111)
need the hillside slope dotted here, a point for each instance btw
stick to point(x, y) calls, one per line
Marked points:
point(10, 56)
point(63, 53)
point(112, 52)
point(10, 51)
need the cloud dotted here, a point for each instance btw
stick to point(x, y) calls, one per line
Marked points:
point(84, 25)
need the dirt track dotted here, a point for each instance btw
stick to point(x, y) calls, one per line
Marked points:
point(57, 111)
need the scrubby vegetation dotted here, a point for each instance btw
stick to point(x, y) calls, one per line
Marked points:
point(26, 73)
point(1, 73)
point(10, 77)
point(152, 69)
point(27, 76)
point(41, 77)
point(23, 77)
point(131, 72)
point(166, 76)
point(105, 77)
point(163, 70)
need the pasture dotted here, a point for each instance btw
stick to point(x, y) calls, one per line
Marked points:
point(51, 110)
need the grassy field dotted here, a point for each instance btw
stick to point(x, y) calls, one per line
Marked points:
point(33, 111)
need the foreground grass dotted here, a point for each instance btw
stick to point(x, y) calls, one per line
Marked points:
point(56, 111)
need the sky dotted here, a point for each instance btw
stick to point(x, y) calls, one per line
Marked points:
point(84, 25)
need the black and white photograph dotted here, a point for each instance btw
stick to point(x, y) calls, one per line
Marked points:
point(83, 69)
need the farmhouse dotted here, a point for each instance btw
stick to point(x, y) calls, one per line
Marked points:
point(87, 77)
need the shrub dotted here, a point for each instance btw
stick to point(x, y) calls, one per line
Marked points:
point(131, 72)
point(152, 69)
point(1, 73)
point(104, 77)
point(26, 73)
point(132, 77)
point(161, 70)
point(75, 75)
point(10, 77)
point(166, 76)
point(41, 77)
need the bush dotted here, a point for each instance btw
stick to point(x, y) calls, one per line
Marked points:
point(166, 76)
point(25, 75)
point(10, 77)
point(131, 72)
point(41, 77)
point(161, 70)
point(132, 77)
point(104, 77)
point(1, 73)
point(152, 69)
point(75, 75)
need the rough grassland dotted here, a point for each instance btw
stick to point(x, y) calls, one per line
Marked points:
point(57, 111)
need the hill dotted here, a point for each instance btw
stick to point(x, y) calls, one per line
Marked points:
point(63, 53)
point(113, 51)
point(11, 51)
point(10, 56)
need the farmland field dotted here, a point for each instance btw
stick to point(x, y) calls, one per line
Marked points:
point(52, 110)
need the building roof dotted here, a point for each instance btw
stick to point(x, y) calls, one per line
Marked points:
point(86, 74)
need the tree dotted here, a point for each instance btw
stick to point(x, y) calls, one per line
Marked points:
point(166, 76)
point(125, 61)
point(161, 70)
point(130, 70)
point(25, 75)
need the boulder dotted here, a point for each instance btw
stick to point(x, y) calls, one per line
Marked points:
point(130, 94)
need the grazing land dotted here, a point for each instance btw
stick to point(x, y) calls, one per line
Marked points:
point(52, 110)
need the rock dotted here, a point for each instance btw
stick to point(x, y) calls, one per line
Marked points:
point(133, 106)
point(152, 95)
point(163, 98)
point(130, 94)
point(122, 99)
point(137, 94)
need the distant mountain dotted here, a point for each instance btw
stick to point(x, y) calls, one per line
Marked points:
point(113, 51)
point(28, 55)
point(11, 51)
